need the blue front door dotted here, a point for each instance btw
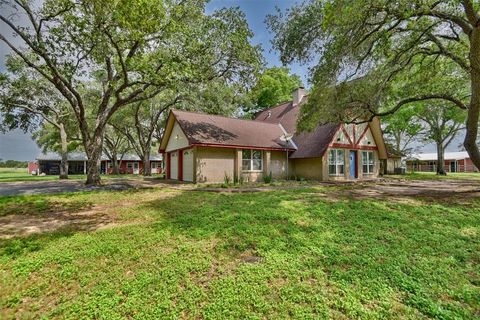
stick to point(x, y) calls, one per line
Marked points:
point(353, 164)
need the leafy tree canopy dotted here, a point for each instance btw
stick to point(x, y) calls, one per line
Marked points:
point(103, 55)
point(274, 85)
point(373, 57)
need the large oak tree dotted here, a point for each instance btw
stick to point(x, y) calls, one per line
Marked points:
point(384, 45)
point(124, 52)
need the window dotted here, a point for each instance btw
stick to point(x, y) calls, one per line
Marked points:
point(251, 160)
point(129, 165)
point(336, 162)
point(110, 164)
point(154, 165)
point(368, 162)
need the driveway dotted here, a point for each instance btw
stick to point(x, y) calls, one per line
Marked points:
point(49, 187)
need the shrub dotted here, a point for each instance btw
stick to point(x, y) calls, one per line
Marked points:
point(226, 179)
point(267, 178)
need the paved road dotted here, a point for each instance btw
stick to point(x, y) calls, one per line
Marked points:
point(49, 187)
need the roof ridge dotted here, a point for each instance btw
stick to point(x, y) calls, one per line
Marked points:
point(220, 116)
point(281, 104)
point(276, 106)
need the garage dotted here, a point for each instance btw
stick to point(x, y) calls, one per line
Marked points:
point(187, 166)
point(174, 165)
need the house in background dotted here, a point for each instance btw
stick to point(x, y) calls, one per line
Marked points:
point(454, 162)
point(208, 148)
point(32, 167)
point(49, 164)
point(393, 164)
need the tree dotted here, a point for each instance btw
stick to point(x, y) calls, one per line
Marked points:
point(401, 129)
point(274, 85)
point(139, 125)
point(125, 52)
point(115, 147)
point(379, 43)
point(442, 123)
point(30, 103)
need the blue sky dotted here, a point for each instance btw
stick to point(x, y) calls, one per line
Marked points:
point(19, 146)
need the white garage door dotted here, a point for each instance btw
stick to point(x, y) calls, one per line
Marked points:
point(188, 165)
point(174, 165)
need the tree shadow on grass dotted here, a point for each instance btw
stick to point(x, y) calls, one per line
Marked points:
point(369, 248)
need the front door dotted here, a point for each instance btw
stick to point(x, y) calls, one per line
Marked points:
point(453, 166)
point(353, 164)
point(136, 169)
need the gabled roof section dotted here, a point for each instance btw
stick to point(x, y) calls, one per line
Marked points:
point(213, 130)
point(314, 144)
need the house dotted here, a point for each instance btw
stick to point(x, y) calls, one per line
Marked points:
point(49, 163)
point(32, 167)
point(210, 148)
point(454, 162)
point(393, 164)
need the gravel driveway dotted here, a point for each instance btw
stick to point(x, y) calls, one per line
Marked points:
point(49, 187)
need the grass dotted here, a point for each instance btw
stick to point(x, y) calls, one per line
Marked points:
point(21, 174)
point(299, 253)
point(434, 176)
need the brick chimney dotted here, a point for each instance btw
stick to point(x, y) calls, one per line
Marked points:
point(298, 94)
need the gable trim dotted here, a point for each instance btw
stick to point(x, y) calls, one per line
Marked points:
point(212, 145)
point(167, 136)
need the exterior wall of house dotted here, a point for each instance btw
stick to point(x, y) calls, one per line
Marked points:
point(32, 166)
point(253, 176)
point(177, 140)
point(347, 165)
point(127, 167)
point(462, 165)
point(393, 163)
point(212, 164)
point(308, 168)
point(278, 161)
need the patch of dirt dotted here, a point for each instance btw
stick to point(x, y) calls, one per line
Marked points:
point(96, 217)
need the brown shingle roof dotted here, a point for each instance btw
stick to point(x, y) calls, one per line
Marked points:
point(309, 144)
point(286, 114)
point(209, 129)
point(314, 144)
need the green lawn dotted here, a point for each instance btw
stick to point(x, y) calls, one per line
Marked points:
point(434, 176)
point(303, 253)
point(21, 174)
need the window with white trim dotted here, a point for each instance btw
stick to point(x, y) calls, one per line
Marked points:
point(336, 162)
point(252, 160)
point(368, 162)
point(110, 164)
point(129, 165)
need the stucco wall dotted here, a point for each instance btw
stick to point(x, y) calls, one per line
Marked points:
point(346, 175)
point(277, 165)
point(177, 139)
point(309, 168)
point(213, 163)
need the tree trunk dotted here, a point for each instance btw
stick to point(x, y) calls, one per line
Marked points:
point(147, 170)
point(94, 154)
point(64, 153)
point(440, 160)
point(470, 142)
point(115, 167)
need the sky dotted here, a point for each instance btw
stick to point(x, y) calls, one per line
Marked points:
point(16, 145)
